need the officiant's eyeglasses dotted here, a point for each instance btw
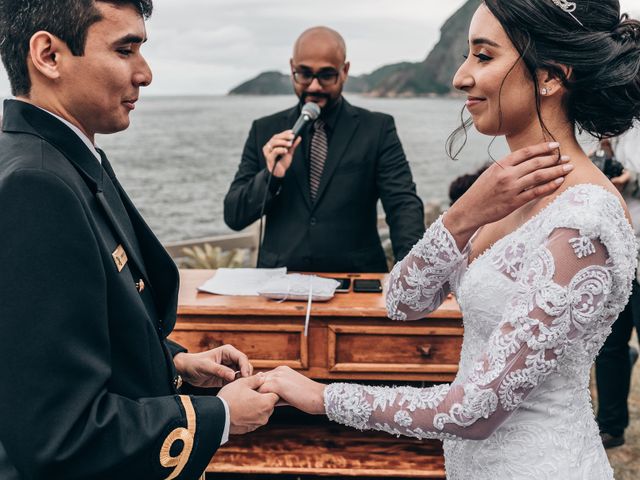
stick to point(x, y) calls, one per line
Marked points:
point(326, 78)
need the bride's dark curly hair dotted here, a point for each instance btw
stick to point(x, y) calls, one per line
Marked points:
point(599, 50)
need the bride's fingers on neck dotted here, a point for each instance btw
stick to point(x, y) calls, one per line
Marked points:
point(532, 151)
point(540, 190)
point(544, 175)
point(539, 163)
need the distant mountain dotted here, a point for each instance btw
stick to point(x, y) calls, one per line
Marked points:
point(267, 83)
point(435, 73)
point(406, 79)
point(276, 83)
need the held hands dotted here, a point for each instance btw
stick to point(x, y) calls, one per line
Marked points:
point(280, 146)
point(520, 177)
point(248, 409)
point(295, 389)
point(213, 368)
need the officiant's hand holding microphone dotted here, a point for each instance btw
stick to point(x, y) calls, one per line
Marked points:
point(279, 150)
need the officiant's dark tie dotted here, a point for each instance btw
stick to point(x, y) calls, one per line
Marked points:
point(317, 156)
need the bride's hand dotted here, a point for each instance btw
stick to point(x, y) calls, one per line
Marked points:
point(295, 389)
point(515, 180)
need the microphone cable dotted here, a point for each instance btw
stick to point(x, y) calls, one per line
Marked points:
point(264, 203)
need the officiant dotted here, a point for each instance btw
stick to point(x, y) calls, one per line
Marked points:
point(321, 204)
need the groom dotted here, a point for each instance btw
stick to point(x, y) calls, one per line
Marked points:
point(90, 383)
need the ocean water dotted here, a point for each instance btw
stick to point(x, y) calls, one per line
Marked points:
point(180, 154)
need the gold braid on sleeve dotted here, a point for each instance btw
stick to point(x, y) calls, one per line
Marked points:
point(186, 435)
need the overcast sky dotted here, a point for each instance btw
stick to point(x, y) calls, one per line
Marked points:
point(210, 46)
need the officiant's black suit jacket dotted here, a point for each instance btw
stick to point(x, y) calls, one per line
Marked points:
point(338, 232)
point(87, 378)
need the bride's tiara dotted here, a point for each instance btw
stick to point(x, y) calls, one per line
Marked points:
point(568, 7)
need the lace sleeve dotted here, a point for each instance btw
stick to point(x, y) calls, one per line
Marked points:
point(421, 281)
point(560, 304)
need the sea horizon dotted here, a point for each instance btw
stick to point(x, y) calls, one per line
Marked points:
point(180, 153)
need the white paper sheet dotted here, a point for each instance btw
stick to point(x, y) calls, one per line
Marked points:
point(240, 281)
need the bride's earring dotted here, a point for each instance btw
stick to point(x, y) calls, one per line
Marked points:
point(544, 91)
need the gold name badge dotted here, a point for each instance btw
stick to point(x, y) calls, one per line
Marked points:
point(120, 257)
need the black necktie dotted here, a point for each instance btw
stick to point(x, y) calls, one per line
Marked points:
point(112, 190)
point(317, 156)
point(106, 165)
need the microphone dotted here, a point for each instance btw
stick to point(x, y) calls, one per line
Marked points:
point(310, 111)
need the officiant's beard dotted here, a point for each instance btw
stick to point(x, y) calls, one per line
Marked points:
point(315, 96)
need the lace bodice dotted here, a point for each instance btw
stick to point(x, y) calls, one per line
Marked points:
point(537, 307)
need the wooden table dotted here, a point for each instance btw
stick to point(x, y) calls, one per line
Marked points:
point(350, 338)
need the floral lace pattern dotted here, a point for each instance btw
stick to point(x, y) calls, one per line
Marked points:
point(425, 274)
point(554, 285)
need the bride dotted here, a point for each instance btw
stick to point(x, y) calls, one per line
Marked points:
point(539, 253)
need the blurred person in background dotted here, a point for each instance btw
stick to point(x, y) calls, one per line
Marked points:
point(615, 362)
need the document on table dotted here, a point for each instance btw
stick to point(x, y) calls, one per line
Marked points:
point(240, 281)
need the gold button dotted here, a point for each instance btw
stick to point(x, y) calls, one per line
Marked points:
point(140, 285)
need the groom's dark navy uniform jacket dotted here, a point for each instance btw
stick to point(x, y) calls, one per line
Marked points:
point(87, 298)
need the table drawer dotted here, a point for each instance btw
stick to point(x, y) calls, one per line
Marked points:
point(267, 346)
point(393, 349)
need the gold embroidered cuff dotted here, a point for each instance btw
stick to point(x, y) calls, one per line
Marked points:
point(186, 435)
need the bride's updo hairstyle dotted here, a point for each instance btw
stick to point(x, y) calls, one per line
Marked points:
point(599, 48)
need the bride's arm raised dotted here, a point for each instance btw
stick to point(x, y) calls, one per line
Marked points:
point(421, 281)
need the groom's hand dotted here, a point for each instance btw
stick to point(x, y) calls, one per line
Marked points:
point(213, 368)
point(248, 409)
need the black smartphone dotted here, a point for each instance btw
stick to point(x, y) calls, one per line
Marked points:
point(367, 286)
point(345, 283)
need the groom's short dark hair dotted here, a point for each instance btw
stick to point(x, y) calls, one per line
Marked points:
point(68, 20)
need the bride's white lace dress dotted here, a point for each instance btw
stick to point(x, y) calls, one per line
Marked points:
point(537, 307)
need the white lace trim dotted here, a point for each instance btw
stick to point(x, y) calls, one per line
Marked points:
point(419, 284)
point(582, 246)
point(530, 334)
